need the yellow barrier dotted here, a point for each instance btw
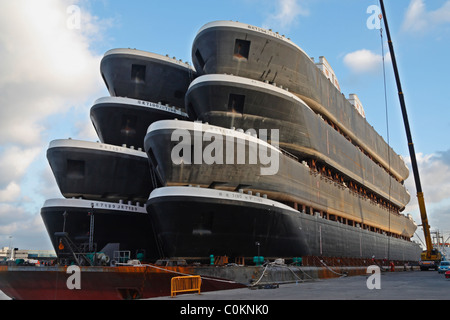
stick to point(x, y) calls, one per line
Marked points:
point(185, 284)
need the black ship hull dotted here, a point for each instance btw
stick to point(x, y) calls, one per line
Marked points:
point(216, 222)
point(255, 53)
point(123, 121)
point(229, 101)
point(311, 212)
point(146, 76)
point(284, 179)
point(122, 226)
point(101, 172)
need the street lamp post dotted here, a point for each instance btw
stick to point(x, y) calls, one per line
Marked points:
point(10, 248)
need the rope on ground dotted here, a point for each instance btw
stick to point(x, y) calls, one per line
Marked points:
point(179, 273)
point(313, 279)
point(340, 274)
point(254, 284)
point(270, 264)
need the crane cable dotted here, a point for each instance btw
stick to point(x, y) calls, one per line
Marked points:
point(387, 130)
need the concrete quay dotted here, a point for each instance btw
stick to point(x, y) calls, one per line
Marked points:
point(399, 285)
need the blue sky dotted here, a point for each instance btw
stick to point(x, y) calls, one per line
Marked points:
point(49, 78)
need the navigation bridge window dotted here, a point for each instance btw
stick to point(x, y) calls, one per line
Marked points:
point(75, 169)
point(236, 103)
point(138, 73)
point(241, 49)
point(128, 125)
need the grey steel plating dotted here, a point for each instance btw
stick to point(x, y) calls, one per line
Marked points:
point(251, 52)
point(293, 183)
point(230, 101)
point(207, 225)
point(120, 121)
point(146, 76)
point(97, 171)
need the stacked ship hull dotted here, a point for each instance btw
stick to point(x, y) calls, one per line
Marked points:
point(146, 76)
point(297, 172)
point(111, 180)
point(283, 167)
point(207, 225)
point(301, 131)
point(255, 53)
point(298, 191)
point(112, 221)
point(335, 188)
point(99, 171)
point(119, 120)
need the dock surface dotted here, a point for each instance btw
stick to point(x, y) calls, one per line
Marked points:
point(409, 285)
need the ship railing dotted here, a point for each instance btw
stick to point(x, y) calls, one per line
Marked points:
point(81, 253)
point(185, 284)
point(340, 184)
point(121, 256)
point(290, 155)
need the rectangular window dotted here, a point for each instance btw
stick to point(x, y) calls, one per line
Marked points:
point(241, 49)
point(138, 73)
point(236, 103)
point(75, 169)
point(128, 125)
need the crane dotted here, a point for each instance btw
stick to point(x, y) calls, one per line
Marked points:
point(431, 257)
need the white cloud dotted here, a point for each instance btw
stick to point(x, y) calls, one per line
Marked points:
point(418, 19)
point(434, 172)
point(47, 69)
point(10, 215)
point(48, 187)
point(14, 162)
point(10, 193)
point(27, 231)
point(287, 11)
point(434, 177)
point(364, 60)
point(85, 130)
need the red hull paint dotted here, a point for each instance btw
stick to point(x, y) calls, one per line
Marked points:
point(98, 283)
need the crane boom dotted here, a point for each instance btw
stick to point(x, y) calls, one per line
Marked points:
point(420, 197)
